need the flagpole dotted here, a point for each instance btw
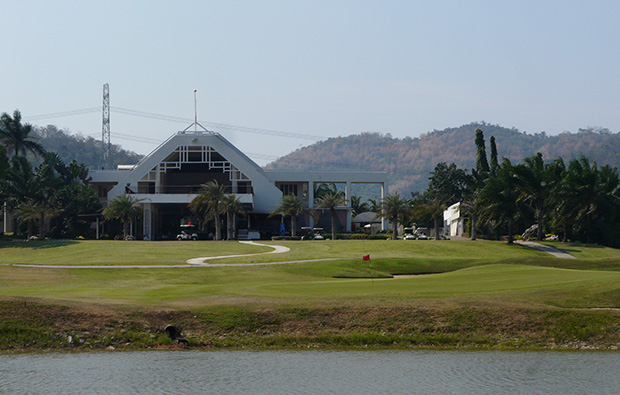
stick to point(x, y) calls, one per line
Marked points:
point(372, 278)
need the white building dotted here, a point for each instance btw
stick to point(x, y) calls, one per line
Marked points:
point(169, 178)
point(453, 221)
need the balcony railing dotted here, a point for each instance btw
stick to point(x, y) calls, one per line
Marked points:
point(190, 189)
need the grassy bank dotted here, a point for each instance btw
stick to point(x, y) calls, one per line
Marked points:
point(41, 327)
point(453, 295)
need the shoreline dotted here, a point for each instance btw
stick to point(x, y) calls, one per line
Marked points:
point(43, 327)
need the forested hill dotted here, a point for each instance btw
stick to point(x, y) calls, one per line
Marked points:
point(87, 150)
point(409, 161)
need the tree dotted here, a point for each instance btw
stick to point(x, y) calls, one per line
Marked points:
point(209, 204)
point(19, 184)
point(124, 208)
point(449, 183)
point(330, 201)
point(482, 165)
point(40, 211)
point(325, 188)
point(374, 205)
point(4, 162)
point(394, 209)
point(499, 198)
point(357, 206)
point(534, 183)
point(494, 162)
point(430, 203)
point(17, 136)
point(233, 207)
point(290, 205)
point(588, 198)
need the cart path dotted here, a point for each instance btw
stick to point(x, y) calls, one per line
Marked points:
point(194, 262)
point(550, 250)
point(276, 250)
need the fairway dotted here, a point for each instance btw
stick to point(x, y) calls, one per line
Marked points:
point(445, 270)
point(410, 294)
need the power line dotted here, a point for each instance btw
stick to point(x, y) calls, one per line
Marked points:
point(217, 125)
point(147, 140)
point(64, 114)
point(180, 120)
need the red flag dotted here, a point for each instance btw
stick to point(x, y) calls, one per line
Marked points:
point(366, 258)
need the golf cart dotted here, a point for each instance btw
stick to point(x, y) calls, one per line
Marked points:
point(312, 233)
point(409, 234)
point(421, 233)
point(188, 232)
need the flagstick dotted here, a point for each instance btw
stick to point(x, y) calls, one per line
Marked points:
point(372, 278)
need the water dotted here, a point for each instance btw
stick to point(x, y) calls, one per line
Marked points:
point(312, 372)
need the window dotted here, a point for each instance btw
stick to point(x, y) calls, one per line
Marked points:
point(288, 189)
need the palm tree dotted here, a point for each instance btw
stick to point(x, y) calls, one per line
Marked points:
point(17, 136)
point(587, 195)
point(357, 206)
point(499, 197)
point(374, 205)
point(233, 206)
point(290, 205)
point(330, 201)
point(433, 206)
point(209, 203)
point(125, 208)
point(394, 209)
point(41, 211)
point(533, 180)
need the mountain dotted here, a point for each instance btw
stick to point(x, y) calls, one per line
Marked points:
point(409, 161)
point(87, 150)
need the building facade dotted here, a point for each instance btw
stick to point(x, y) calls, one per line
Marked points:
point(166, 181)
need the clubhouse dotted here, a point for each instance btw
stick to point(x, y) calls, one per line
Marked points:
point(166, 181)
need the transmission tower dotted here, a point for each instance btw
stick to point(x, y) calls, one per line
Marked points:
point(105, 130)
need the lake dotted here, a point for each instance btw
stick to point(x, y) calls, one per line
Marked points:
point(312, 372)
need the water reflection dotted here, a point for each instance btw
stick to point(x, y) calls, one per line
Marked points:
point(382, 372)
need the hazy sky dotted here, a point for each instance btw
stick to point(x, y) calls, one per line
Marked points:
point(319, 68)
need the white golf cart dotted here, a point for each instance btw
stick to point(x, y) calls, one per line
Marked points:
point(409, 234)
point(188, 232)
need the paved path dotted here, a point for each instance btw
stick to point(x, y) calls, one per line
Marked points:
point(276, 250)
point(194, 262)
point(550, 250)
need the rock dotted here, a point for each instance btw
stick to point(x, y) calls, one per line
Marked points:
point(69, 339)
point(110, 348)
point(173, 332)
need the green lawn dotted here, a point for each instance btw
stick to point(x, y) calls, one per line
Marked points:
point(580, 250)
point(448, 270)
point(109, 252)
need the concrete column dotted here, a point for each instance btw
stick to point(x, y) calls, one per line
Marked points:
point(147, 220)
point(157, 180)
point(384, 222)
point(310, 202)
point(348, 196)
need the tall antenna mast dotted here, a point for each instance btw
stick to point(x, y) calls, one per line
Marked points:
point(105, 129)
point(195, 124)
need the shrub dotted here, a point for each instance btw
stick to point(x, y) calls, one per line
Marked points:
point(285, 238)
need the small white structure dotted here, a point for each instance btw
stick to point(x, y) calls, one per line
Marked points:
point(453, 221)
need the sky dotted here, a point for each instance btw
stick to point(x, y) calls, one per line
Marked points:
point(274, 76)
